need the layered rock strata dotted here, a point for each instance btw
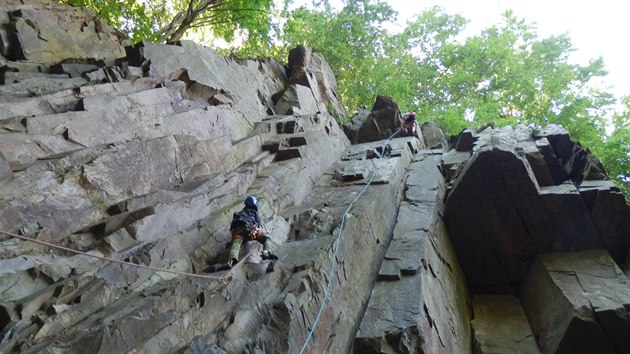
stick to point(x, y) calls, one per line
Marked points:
point(420, 302)
point(513, 240)
point(35, 34)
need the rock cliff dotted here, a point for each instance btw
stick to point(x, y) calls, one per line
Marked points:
point(121, 166)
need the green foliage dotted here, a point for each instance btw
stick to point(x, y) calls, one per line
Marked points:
point(505, 75)
point(36, 92)
point(137, 21)
point(614, 152)
point(162, 20)
point(225, 18)
point(351, 41)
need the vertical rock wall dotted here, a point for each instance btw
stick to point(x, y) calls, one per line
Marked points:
point(336, 297)
point(528, 220)
point(420, 303)
point(142, 153)
point(578, 303)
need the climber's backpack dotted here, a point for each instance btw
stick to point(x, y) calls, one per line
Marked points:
point(245, 217)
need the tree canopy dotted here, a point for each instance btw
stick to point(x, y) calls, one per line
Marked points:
point(168, 20)
point(506, 74)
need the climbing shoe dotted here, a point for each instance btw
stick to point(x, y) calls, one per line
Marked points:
point(268, 255)
point(227, 266)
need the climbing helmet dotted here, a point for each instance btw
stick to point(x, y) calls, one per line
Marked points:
point(251, 202)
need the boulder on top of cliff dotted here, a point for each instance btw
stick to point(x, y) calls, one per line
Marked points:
point(434, 136)
point(310, 69)
point(500, 217)
point(379, 124)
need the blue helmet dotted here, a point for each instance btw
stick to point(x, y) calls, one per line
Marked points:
point(251, 202)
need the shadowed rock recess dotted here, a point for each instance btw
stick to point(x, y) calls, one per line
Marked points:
point(512, 240)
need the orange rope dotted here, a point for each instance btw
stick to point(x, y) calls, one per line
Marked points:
point(205, 276)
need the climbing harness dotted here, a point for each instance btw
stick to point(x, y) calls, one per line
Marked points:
point(255, 233)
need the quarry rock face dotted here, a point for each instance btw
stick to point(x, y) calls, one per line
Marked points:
point(512, 240)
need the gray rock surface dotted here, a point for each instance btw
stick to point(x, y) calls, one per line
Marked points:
point(142, 155)
point(578, 303)
point(500, 326)
point(433, 136)
point(420, 302)
point(382, 122)
point(310, 69)
point(43, 31)
point(246, 86)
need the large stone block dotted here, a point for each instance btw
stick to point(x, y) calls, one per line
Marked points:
point(310, 69)
point(296, 99)
point(578, 303)
point(249, 84)
point(500, 326)
point(538, 163)
point(54, 34)
point(381, 123)
point(434, 136)
point(611, 216)
point(500, 218)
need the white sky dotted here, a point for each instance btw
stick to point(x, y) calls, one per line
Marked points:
point(596, 28)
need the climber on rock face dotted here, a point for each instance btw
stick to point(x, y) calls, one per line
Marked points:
point(409, 124)
point(246, 226)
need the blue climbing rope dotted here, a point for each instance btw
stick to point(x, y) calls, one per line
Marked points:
point(336, 248)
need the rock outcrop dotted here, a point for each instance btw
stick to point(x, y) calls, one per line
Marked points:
point(532, 215)
point(420, 303)
point(309, 76)
point(501, 217)
point(380, 123)
point(45, 45)
point(125, 163)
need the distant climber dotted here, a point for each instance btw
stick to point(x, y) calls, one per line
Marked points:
point(409, 125)
point(246, 226)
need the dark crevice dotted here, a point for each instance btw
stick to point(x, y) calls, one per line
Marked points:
point(201, 300)
point(5, 318)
